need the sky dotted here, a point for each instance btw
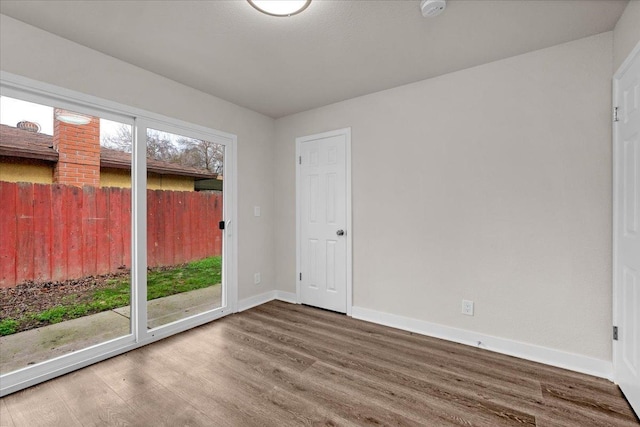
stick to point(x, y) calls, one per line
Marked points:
point(13, 111)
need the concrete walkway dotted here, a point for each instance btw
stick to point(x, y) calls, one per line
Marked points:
point(37, 345)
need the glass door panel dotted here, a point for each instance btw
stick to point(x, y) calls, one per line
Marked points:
point(65, 222)
point(184, 242)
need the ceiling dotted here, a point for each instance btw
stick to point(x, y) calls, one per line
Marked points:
point(335, 50)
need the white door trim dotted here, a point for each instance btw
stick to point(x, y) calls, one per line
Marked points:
point(346, 132)
point(635, 53)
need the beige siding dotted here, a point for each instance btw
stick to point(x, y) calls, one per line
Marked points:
point(165, 182)
point(115, 178)
point(20, 172)
point(122, 178)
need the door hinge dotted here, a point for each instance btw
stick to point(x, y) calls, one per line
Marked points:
point(299, 160)
point(221, 225)
point(615, 333)
point(615, 115)
point(300, 276)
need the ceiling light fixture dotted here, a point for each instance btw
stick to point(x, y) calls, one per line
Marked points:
point(280, 7)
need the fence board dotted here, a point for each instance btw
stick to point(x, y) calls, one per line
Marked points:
point(185, 219)
point(168, 240)
point(152, 242)
point(159, 200)
point(194, 229)
point(159, 228)
point(115, 228)
point(216, 217)
point(89, 231)
point(207, 225)
point(58, 232)
point(59, 244)
point(9, 232)
point(178, 257)
point(102, 231)
point(74, 215)
point(189, 232)
point(210, 225)
point(42, 232)
point(126, 227)
point(24, 247)
point(196, 223)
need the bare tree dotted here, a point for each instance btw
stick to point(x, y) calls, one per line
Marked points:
point(160, 147)
point(163, 146)
point(201, 154)
point(121, 140)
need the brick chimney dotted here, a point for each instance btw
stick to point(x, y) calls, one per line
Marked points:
point(78, 147)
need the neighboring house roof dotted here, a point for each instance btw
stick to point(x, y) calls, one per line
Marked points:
point(16, 142)
point(19, 143)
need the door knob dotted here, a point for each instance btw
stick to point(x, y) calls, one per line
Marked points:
point(340, 232)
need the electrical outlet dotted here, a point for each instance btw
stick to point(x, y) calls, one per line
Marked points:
point(256, 278)
point(467, 307)
point(256, 211)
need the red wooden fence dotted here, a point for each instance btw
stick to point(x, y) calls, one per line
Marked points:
point(58, 232)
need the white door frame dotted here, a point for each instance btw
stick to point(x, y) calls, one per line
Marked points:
point(635, 53)
point(346, 132)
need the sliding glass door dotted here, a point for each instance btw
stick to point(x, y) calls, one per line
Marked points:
point(116, 229)
point(185, 208)
point(65, 222)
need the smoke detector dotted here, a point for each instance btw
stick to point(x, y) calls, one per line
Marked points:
point(432, 8)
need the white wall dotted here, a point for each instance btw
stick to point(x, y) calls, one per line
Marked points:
point(491, 184)
point(33, 53)
point(626, 34)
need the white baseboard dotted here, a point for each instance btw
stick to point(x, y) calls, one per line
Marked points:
point(561, 359)
point(257, 300)
point(535, 353)
point(289, 297)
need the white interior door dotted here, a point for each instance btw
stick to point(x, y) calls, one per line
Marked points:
point(627, 229)
point(324, 232)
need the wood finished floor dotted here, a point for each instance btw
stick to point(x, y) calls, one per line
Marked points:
point(281, 364)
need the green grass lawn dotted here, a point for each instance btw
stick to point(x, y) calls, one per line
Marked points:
point(160, 283)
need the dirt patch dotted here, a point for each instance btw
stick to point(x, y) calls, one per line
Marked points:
point(34, 297)
point(30, 298)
